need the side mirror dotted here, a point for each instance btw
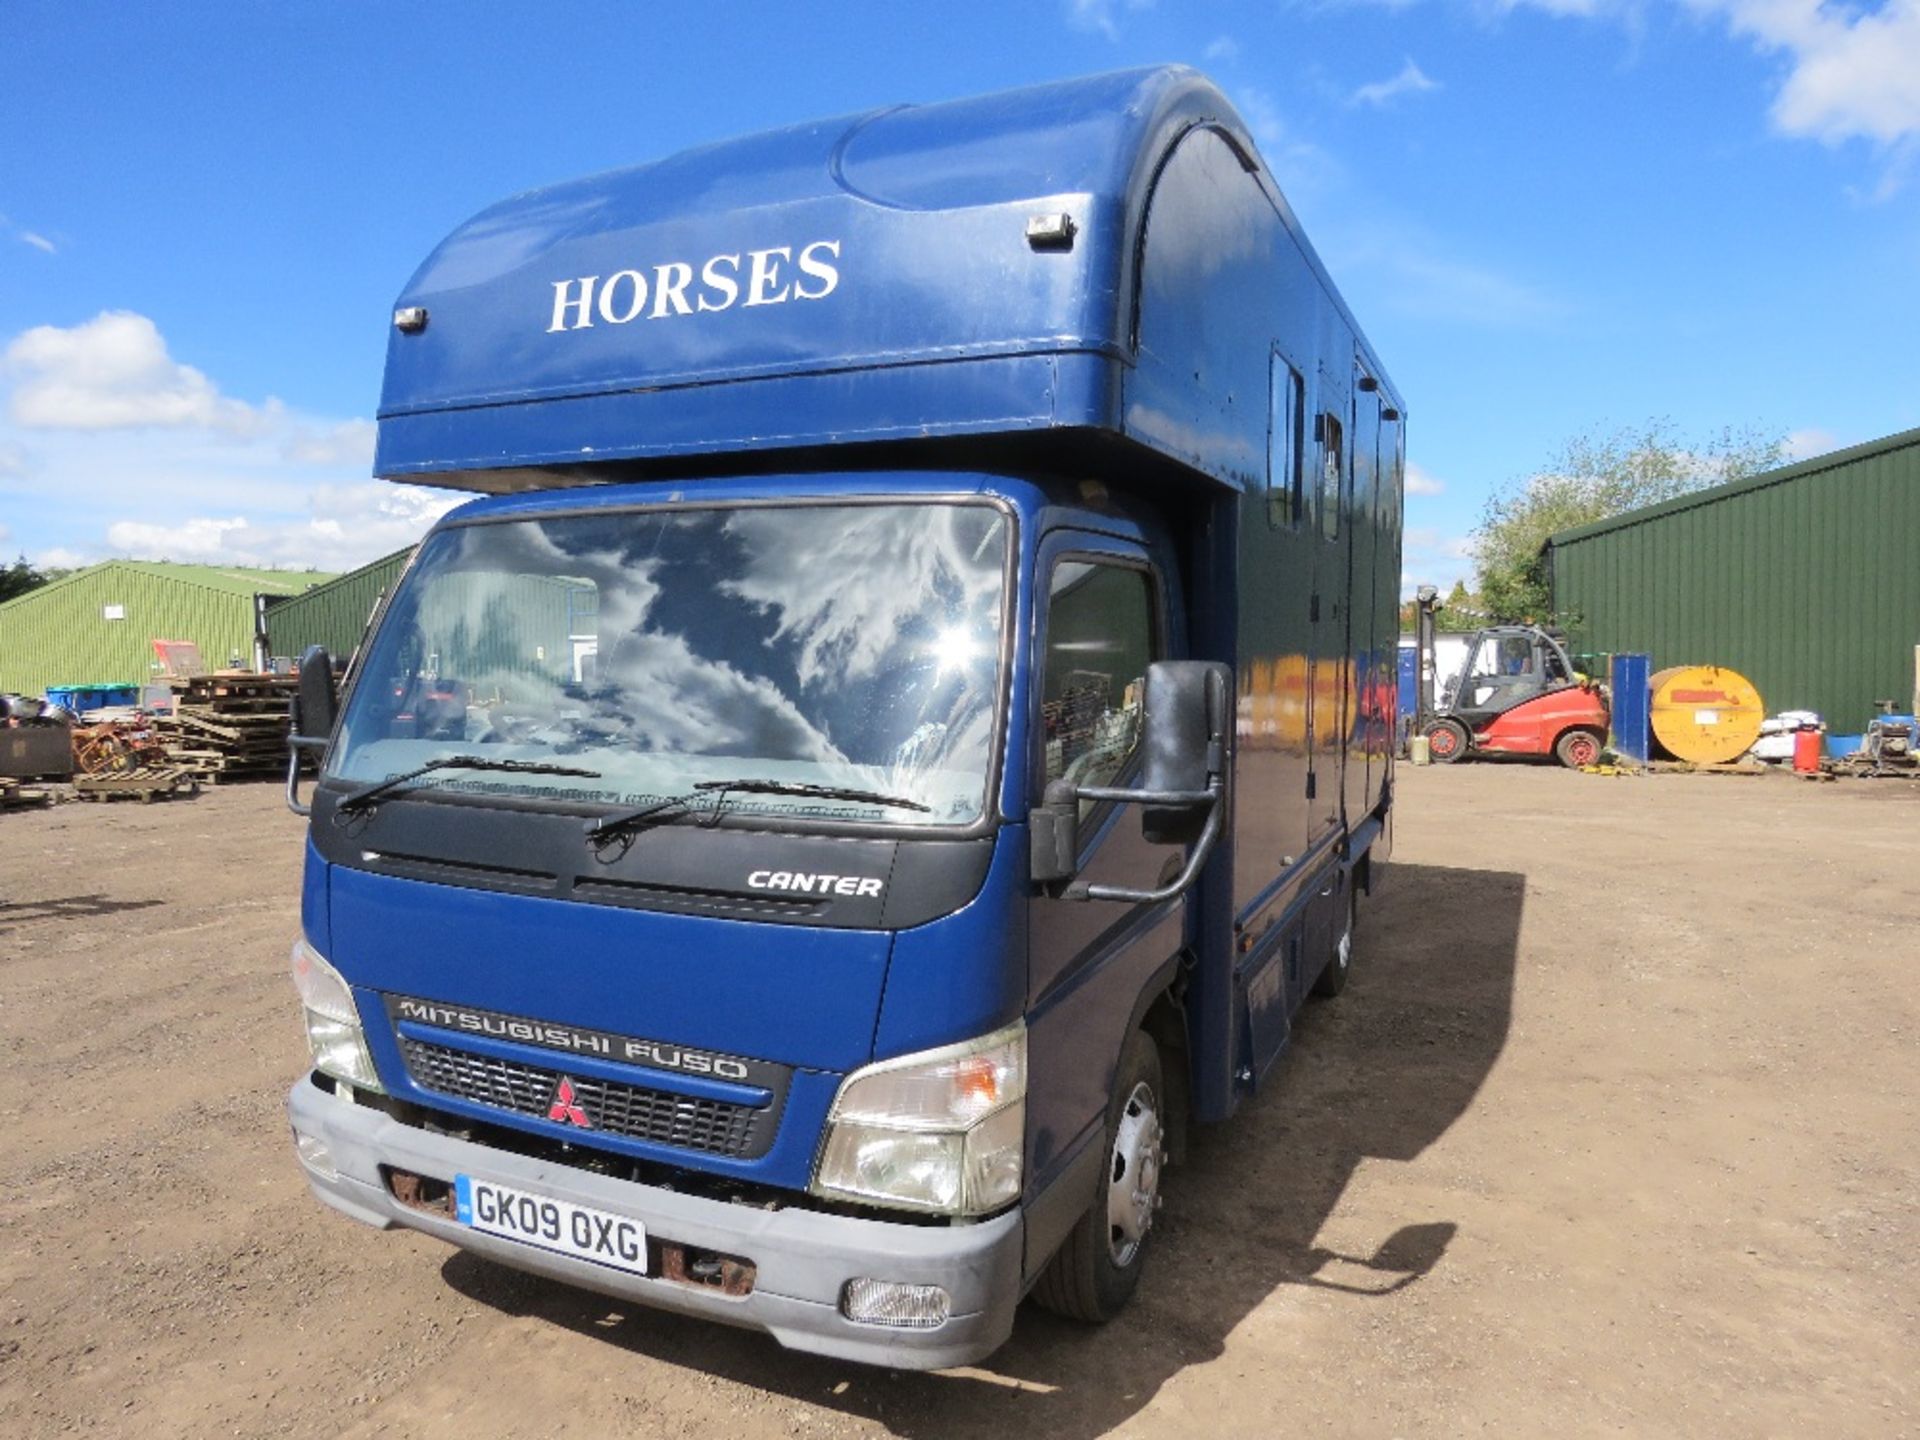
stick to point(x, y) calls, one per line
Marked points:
point(1054, 834)
point(1185, 720)
point(316, 705)
point(1186, 739)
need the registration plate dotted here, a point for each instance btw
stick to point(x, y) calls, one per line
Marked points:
point(550, 1224)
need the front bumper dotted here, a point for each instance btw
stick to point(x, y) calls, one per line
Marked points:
point(804, 1258)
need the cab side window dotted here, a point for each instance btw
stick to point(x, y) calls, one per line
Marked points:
point(1100, 638)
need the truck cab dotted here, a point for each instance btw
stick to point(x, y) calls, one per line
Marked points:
point(904, 726)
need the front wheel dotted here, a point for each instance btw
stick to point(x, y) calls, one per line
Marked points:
point(1099, 1264)
point(1577, 749)
point(1446, 741)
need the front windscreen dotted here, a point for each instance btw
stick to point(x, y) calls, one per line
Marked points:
point(845, 646)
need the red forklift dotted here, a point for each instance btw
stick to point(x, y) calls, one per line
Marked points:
point(1517, 693)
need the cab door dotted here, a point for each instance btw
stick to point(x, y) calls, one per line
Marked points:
point(1101, 615)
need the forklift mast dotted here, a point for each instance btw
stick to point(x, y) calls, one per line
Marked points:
point(1426, 602)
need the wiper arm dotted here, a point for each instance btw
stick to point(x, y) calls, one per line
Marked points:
point(366, 795)
point(630, 822)
point(814, 792)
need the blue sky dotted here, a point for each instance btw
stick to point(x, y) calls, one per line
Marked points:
point(1549, 215)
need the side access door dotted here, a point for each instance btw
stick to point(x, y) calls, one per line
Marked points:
point(1102, 613)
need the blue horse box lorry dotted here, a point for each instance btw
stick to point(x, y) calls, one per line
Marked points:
point(904, 730)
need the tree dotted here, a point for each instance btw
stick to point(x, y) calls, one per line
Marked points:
point(1596, 476)
point(20, 577)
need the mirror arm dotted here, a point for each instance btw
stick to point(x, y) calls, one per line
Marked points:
point(1213, 796)
point(295, 744)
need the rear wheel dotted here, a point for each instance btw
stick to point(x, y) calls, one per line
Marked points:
point(1578, 748)
point(1098, 1267)
point(1446, 741)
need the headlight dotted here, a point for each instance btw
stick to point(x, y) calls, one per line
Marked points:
point(333, 1024)
point(941, 1130)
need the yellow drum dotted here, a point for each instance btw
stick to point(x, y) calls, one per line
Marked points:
point(1706, 713)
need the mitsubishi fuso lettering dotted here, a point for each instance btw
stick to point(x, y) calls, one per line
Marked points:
point(901, 729)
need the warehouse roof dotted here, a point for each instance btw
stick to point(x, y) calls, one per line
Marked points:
point(1833, 459)
point(227, 579)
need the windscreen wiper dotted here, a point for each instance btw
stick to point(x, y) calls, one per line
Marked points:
point(814, 792)
point(630, 822)
point(366, 795)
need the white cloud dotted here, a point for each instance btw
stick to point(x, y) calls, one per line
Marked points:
point(345, 526)
point(1423, 482)
point(113, 372)
point(349, 442)
point(39, 242)
point(1812, 441)
point(1411, 80)
point(1102, 16)
point(136, 453)
point(59, 557)
point(1855, 69)
point(1434, 557)
point(1222, 47)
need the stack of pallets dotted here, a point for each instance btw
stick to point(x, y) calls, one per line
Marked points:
point(230, 725)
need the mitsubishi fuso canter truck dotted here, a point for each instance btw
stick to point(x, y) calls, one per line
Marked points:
point(902, 728)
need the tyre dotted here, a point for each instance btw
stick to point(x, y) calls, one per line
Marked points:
point(1098, 1266)
point(1333, 979)
point(1577, 748)
point(1447, 741)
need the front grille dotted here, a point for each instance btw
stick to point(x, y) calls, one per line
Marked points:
point(634, 1112)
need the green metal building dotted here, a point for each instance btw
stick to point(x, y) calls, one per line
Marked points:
point(98, 625)
point(334, 614)
point(1804, 579)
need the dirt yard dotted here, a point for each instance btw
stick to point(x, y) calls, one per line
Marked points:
point(1616, 1131)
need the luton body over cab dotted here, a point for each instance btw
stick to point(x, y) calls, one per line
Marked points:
point(902, 728)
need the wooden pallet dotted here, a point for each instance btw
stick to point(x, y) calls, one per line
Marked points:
point(147, 784)
point(229, 725)
point(15, 796)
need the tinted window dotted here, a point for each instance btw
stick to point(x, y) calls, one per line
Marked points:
point(1286, 505)
point(1332, 458)
point(1099, 640)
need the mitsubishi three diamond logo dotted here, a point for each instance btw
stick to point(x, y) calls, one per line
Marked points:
point(565, 1108)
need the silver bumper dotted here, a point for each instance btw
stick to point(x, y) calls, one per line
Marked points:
point(804, 1258)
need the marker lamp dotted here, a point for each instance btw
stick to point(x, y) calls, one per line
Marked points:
point(334, 1035)
point(940, 1131)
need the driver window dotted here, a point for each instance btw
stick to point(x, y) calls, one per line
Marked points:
point(1100, 636)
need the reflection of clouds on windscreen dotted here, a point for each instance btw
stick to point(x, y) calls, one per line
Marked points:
point(845, 582)
point(678, 700)
point(663, 695)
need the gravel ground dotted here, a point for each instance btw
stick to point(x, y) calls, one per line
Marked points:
point(1614, 1132)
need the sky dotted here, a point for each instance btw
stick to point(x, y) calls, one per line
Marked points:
point(1550, 216)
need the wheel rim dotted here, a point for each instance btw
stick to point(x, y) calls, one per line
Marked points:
point(1133, 1176)
point(1584, 750)
point(1441, 742)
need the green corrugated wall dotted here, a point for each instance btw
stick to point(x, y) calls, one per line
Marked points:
point(59, 634)
point(1806, 580)
point(334, 614)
